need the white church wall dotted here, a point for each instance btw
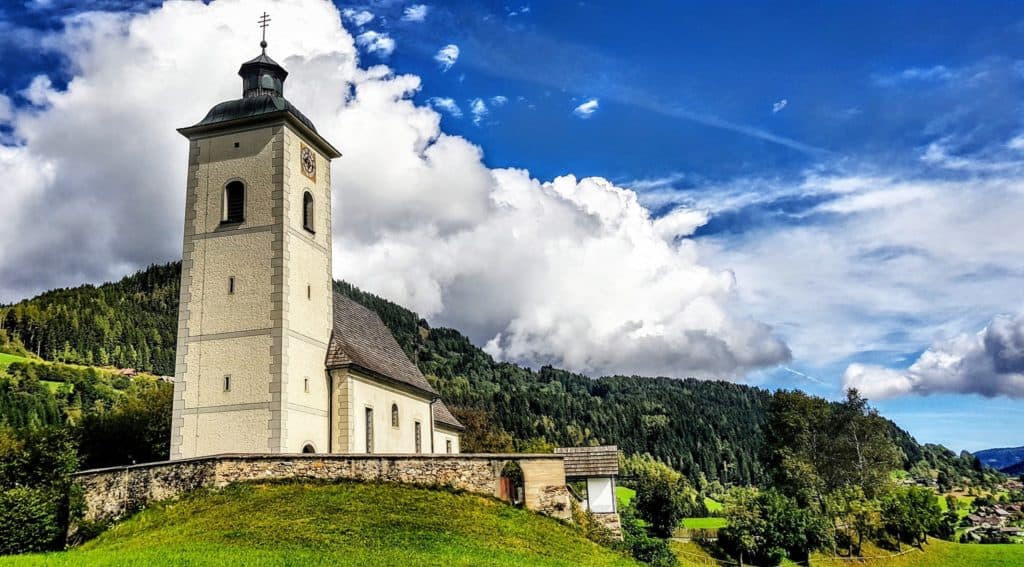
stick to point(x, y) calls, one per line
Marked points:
point(442, 436)
point(366, 392)
point(307, 411)
point(244, 360)
point(308, 303)
point(225, 332)
point(300, 183)
point(221, 162)
point(239, 431)
point(215, 260)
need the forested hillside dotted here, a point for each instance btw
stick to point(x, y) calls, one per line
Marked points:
point(709, 430)
point(128, 324)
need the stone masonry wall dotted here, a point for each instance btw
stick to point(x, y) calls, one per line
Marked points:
point(116, 492)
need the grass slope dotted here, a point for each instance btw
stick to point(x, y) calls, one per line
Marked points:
point(333, 524)
point(7, 359)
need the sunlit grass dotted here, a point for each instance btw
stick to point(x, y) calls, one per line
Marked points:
point(334, 524)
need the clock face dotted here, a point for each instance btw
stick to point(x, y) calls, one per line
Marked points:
point(308, 159)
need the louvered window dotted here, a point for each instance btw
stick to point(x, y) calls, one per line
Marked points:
point(307, 211)
point(234, 202)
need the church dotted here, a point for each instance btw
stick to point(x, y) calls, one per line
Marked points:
point(269, 358)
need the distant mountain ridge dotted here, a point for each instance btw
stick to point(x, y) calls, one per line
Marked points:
point(709, 430)
point(1002, 458)
point(1014, 470)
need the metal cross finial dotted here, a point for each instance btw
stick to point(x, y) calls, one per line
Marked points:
point(264, 21)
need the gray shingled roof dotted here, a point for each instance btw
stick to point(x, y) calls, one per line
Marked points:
point(248, 107)
point(584, 462)
point(360, 339)
point(444, 416)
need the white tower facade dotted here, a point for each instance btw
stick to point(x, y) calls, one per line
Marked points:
point(255, 314)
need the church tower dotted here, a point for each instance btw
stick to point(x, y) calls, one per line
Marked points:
point(255, 315)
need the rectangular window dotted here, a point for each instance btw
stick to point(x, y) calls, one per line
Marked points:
point(305, 384)
point(419, 438)
point(309, 291)
point(231, 285)
point(369, 430)
point(448, 446)
point(227, 383)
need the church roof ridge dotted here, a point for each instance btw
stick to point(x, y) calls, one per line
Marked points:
point(362, 340)
point(250, 107)
point(445, 416)
point(264, 59)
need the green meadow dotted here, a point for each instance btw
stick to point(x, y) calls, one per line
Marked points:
point(333, 524)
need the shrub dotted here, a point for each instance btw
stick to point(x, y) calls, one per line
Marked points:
point(590, 527)
point(641, 546)
point(663, 496)
point(29, 520)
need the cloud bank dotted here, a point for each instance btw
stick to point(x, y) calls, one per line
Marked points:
point(573, 272)
point(989, 363)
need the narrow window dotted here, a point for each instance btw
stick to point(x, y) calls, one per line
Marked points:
point(234, 202)
point(448, 446)
point(305, 384)
point(394, 415)
point(309, 448)
point(369, 430)
point(307, 211)
point(231, 284)
point(419, 438)
point(309, 291)
point(236, 144)
point(227, 383)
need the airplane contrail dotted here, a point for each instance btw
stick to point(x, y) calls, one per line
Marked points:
point(802, 375)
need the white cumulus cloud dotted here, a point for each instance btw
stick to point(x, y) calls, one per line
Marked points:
point(586, 109)
point(779, 105)
point(478, 108)
point(415, 13)
point(447, 105)
point(499, 100)
point(990, 363)
point(572, 272)
point(376, 42)
point(447, 56)
point(358, 17)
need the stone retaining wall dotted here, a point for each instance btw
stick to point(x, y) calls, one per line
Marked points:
point(116, 492)
point(611, 521)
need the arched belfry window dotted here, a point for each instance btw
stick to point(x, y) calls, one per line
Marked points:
point(394, 415)
point(307, 211)
point(234, 202)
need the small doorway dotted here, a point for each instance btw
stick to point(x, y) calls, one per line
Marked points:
point(511, 489)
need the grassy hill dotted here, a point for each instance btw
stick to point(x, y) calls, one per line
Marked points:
point(333, 524)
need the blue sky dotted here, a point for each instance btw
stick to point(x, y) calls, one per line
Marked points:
point(858, 167)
